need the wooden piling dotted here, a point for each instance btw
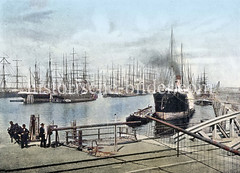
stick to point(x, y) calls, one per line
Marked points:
point(115, 138)
point(135, 134)
point(56, 138)
point(98, 134)
point(177, 143)
point(80, 138)
point(120, 132)
point(49, 140)
point(74, 131)
point(66, 137)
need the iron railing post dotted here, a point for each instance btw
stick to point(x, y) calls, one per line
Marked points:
point(178, 144)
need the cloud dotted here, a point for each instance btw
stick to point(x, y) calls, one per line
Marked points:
point(37, 17)
point(36, 35)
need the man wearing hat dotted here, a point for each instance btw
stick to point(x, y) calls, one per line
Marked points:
point(11, 130)
point(17, 132)
point(42, 136)
point(24, 136)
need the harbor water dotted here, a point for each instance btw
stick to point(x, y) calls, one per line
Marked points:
point(102, 110)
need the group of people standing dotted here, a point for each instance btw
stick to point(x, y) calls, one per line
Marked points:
point(21, 134)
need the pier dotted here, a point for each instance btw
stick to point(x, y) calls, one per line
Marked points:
point(115, 147)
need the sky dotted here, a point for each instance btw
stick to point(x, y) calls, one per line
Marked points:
point(114, 30)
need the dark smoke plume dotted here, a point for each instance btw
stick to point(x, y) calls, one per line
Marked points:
point(159, 59)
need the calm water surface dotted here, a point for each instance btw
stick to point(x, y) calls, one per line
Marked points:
point(100, 111)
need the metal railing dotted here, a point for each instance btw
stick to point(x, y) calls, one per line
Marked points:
point(207, 154)
point(106, 134)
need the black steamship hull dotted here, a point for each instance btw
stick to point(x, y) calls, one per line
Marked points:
point(171, 105)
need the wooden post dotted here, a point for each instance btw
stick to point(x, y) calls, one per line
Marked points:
point(49, 140)
point(56, 139)
point(66, 137)
point(74, 132)
point(49, 132)
point(120, 131)
point(98, 134)
point(115, 138)
point(80, 138)
point(135, 134)
point(178, 144)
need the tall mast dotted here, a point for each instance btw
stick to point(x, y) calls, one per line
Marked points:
point(17, 73)
point(142, 77)
point(35, 75)
point(117, 83)
point(182, 62)
point(189, 77)
point(4, 77)
point(4, 61)
point(63, 66)
point(120, 76)
point(112, 75)
point(172, 83)
point(133, 70)
point(39, 77)
point(85, 68)
point(102, 80)
point(129, 71)
point(94, 79)
point(107, 82)
point(50, 72)
point(73, 63)
point(77, 71)
point(98, 76)
point(204, 77)
point(30, 78)
point(56, 76)
point(47, 78)
point(66, 72)
point(171, 49)
point(137, 71)
point(126, 77)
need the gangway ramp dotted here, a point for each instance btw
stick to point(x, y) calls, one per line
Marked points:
point(235, 143)
point(215, 122)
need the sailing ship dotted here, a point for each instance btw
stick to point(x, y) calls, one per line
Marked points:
point(73, 92)
point(7, 90)
point(203, 95)
point(128, 85)
point(36, 94)
point(176, 103)
point(65, 92)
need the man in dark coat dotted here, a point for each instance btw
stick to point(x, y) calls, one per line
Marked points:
point(17, 132)
point(11, 130)
point(24, 136)
point(42, 136)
